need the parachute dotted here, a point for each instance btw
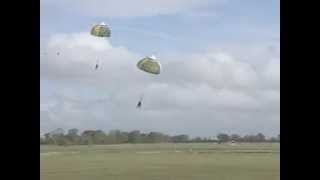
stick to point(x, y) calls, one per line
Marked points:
point(101, 30)
point(150, 65)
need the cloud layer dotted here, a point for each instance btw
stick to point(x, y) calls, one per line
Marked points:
point(199, 94)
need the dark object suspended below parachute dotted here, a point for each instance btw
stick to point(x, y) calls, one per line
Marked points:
point(139, 104)
point(97, 65)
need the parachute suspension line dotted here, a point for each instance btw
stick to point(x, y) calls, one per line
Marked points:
point(97, 64)
point(141, 97)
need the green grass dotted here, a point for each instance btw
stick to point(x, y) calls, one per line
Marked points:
point(161, 162)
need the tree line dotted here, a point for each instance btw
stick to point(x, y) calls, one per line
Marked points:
point(90, 137)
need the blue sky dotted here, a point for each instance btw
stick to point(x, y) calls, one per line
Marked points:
point(234, 21)
point(221, 63)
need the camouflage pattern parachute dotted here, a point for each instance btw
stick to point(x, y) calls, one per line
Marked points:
point(150, 65)
point(101, 30)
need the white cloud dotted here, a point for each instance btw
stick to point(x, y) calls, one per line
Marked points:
point(272, 72)
point(196, 91)
point(79, 52)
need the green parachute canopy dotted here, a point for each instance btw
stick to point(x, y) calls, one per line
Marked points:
point(150, 65)
point(101, 30)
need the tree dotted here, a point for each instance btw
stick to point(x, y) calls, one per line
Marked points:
point(73, 136)
point(73, 131)
point(55, 137)
point(58, 136)
point(260, 138)
point(249, 138)
point(116, 137)
point(223, 137)
point(57, 132)
point(47, 139)
point(134, 137)
point(143, 138)
point(155, 137)
point(273, 139)
point(254, 138)
point(99, 137)
point(235, 137)
point(123, 138)
point(180, 138)
point(112, 137)
point(87, 137)
point(42, 141)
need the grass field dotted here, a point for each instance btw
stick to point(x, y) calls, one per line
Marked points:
point(161, 162)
